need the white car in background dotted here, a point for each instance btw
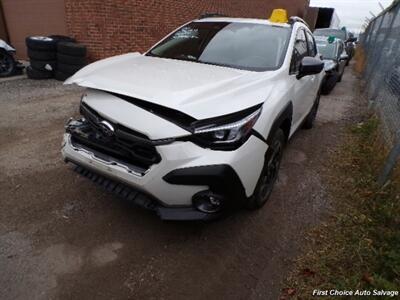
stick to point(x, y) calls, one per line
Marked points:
point(8, 64)
point(335, 58)
point(198, 123)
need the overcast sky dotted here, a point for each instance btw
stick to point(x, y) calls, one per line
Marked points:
point(352, 13)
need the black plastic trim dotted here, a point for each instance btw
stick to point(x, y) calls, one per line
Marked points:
point(226, 119)
point(221, 179)
point(174, 116)
point(141, 199)
point(258, 135)
point(285, 113)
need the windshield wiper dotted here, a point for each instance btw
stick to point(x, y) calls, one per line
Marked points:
point(185, 57)
point(152, 54)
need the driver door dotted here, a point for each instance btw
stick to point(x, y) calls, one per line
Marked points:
point(304, 88)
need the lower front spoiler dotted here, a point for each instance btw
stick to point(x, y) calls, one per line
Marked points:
point(142, 200)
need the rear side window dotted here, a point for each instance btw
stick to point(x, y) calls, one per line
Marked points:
point(341, 48)
point(300, 51)
point(312, 50)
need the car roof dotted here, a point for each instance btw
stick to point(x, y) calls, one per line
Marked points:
point(243, 20)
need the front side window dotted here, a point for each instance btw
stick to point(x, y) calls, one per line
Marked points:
point(341, 48)
point(312, 51)
point(254, 47)
point(300, 50)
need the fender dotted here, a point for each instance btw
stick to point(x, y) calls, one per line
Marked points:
point(5, 46)
point(285, 114)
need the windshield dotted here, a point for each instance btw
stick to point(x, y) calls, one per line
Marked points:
point(340, 34)
point(254, 47)
point(327, 50)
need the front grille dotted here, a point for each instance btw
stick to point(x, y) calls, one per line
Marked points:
point(123, 144)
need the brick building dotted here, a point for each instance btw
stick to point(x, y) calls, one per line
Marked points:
point(113, 27)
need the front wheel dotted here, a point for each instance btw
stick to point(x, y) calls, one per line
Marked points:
point(7, 64)
point(269, 173)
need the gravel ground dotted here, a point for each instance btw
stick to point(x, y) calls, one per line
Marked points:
point(61, 237)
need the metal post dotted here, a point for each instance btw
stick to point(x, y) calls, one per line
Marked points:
point(390, 164)
point(381, 78)
point(373, 54)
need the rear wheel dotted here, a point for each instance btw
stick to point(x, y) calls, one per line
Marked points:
point(7, 64)
point(269, 173)
point(329, 83)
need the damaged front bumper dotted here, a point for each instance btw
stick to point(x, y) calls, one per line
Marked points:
point(179, 180)
point(143, 200)
point(125, 179)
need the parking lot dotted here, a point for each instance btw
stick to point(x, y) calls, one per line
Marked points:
point(61, 236)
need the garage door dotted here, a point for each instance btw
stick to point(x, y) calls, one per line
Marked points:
point(33, 17)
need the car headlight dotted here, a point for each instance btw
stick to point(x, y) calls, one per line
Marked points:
point(227, 132)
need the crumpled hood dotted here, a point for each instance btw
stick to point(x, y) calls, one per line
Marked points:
point(199, 90)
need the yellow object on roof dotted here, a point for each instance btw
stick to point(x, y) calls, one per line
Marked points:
point(279, 15)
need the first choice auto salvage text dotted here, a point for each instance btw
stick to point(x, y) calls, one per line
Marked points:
point(355, 293)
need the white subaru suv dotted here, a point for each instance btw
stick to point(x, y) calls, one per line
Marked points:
point(197, 124)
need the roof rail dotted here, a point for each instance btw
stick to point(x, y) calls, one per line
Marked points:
point(211, 15)
point(293, 20)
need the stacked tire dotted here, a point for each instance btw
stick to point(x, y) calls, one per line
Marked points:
point(71, 57)
point(42, 53)
point(54, 56)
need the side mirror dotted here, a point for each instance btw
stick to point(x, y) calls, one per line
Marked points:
point(344, 56)
point(310, 66)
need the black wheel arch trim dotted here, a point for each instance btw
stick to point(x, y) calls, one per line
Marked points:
point(221, 179)
point(285, 114)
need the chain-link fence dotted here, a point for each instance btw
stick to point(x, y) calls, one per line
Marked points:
point(380, 44)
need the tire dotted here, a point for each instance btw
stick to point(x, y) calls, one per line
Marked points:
point(43, 65)
point(340, 77)
point(269, 173)
point(36, 74)
point(62, 38)
point(72, 49)
point(310, 119)
point(69, 69)
point(8, 65)
point(41, 43)
point(329, 84)
point(71, 60)
point(41, 55)
point(58, 75)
